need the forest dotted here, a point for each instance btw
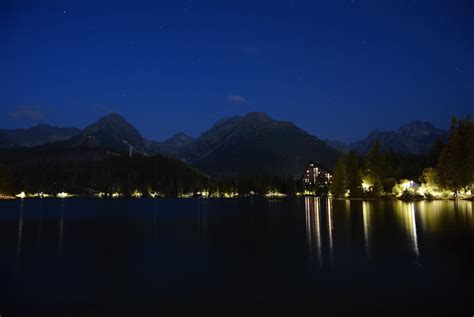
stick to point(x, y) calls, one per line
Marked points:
point(447, 172)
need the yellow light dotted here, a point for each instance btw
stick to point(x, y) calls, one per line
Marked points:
point(366, 185)
point(62, 195)
point(274, 194)
point(21, 195)
point(116, 195)
point(137, 194)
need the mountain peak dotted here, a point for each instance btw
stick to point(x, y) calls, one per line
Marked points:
point(114, 117)
point(112, 122)
point(261, 116)
point(415, 137)
point(181, 138)
point(417, 127)
point(113, 131)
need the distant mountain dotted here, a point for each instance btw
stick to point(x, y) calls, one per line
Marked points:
point(174, 145)
point(415, 138)
point(38, 135)
point(338, 145)
point(256, 144)
point(113, 132)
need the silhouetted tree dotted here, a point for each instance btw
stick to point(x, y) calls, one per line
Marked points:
point(449, 166)
point(373, 168)
point(339, 178)
point(354, 179)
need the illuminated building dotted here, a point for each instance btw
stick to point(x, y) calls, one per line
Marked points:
point(315, 175)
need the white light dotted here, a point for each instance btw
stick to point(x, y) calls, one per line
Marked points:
point(21, 195)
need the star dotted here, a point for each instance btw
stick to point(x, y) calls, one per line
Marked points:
point(64, 11)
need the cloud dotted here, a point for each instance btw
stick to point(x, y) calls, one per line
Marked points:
point(248, 50)
point(237, 99)
point(28, 114)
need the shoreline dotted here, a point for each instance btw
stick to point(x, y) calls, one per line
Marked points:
point(72, 196)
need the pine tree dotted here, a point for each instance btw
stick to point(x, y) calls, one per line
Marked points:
point(4, 186)
point(466, 143)
point(373, 168)
point(354, 179)
point(435, 152)
point(374, 159)
point(450, 167)
point(339, 179)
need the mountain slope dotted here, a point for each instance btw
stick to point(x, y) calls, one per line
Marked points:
point(174, 145)
point(113, 132)
point(38, 135)
point(416, 138)
point(256, 144)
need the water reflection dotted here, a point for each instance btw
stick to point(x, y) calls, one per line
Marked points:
point(314, 227)
point(154, 220)
point(20, 230)
point(330, 230)
point(405, 213)
point(366, 212)
point(202, 219)
point(61, 227)
point(40, 226)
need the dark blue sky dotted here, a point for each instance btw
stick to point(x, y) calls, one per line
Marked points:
point(337, 68)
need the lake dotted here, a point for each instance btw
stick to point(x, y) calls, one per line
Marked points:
point(296, 256)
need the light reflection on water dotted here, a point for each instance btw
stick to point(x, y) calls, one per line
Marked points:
point(411, 219)
point(287, 246)
point(366, 211)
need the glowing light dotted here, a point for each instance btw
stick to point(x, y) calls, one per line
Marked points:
point(203, 194)
point(137, 194)
point(62, 195)
point(366, 185)
point(100, 195)
point(274, 194)
point(21, 195)
point(116, 195)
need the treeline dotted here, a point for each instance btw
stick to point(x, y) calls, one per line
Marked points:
point(449, 167)
point(91, 171)
point(258, 184)
point(455, 168)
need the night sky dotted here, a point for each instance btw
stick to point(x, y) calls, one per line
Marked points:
point(337, 69)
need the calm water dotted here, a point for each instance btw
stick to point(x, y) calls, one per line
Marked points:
point(97, 257)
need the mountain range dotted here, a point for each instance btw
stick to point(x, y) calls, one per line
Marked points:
point(414, 138)
point(239, 145)
point(38, 135)
point(256, 143)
